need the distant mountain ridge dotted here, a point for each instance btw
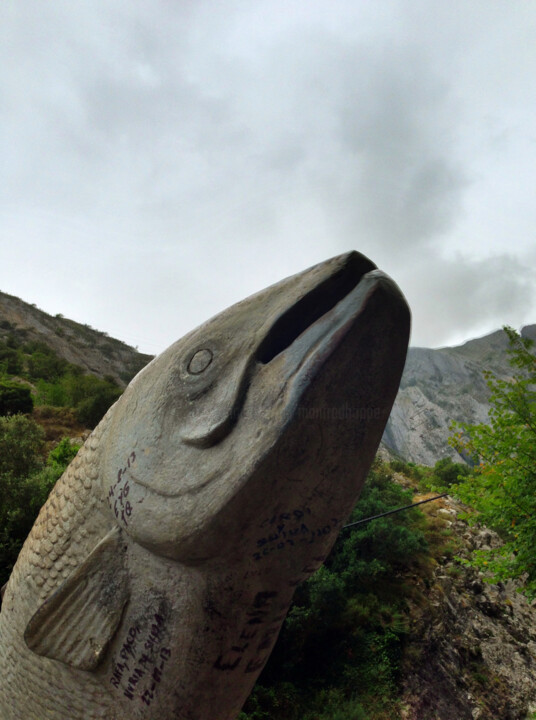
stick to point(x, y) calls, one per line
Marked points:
point(79, 344)
point(442, 385)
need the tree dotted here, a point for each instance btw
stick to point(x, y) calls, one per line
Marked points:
point(10, 359)
point(503, 486)
point(21, 456)
point(21, 446)
point(447, 471)
point(25, 482)
point(44, 363)
point(89, 395)
point(91, 410)
point(339, 651)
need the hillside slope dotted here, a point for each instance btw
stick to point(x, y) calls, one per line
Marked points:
point(471, 651)
point(79, 344)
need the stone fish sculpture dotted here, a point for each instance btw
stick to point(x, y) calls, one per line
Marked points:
point(157, 575)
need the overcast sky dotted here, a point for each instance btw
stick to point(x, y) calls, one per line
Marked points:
point(161, 160)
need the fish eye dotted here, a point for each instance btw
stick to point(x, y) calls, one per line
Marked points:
point(200, 361)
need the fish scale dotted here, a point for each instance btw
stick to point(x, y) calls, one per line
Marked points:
point(63, 519)
point(66, 522)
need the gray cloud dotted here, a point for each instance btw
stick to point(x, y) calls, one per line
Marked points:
point(183, 155)
point(460, 298)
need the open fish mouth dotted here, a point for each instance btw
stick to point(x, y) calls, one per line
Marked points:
point(308, 333)
point(313, 306)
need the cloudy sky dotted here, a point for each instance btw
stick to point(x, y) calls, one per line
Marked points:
point(161, 160)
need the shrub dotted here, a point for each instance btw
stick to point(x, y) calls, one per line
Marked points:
point(45, 364)
point(21, 456)
point(10, 360)
point(21, 446)
point(15, 398)
point(502, 487)
point(409, 469)
point(52, 393)
point(25, 482)
point(62, 454)
point(448, 472)
point(90, 411)
point(399, 466)
point(89, 395)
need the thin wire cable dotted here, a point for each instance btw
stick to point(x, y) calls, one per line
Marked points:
point(392, 512)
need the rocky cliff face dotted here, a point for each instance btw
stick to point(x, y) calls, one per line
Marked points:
point(471, 653)
point(439, 386)
point(78, 344)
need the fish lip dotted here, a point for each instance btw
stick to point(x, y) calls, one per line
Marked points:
point(313, 348)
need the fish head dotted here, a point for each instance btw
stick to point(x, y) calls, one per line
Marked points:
point(279, 399)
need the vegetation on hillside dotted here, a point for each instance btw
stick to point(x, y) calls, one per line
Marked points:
point(33, 374)
point(31, 325)
point(41, 394)
point(340, 652)
point(503, 485)
point(15, 398)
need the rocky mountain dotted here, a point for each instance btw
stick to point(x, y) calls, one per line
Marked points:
point(78, 344)
point(442, 385)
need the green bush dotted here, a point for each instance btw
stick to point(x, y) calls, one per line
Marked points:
point(89, 395)
point(58, 383)
point(21, 446)
point(10, 360)
point(54, 394)
point(15, 398)
point(62, 454)
point(409, 469)
point(43, 363)
point(21, 456)
point(91, 410)
point(399, 466)
point(448, 472)
point(502, 486)
point(26, 479)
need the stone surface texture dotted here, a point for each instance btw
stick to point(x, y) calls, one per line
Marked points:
point(157, 575)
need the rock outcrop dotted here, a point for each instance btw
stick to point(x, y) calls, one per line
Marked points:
point(439, 386)
point(472, 647)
